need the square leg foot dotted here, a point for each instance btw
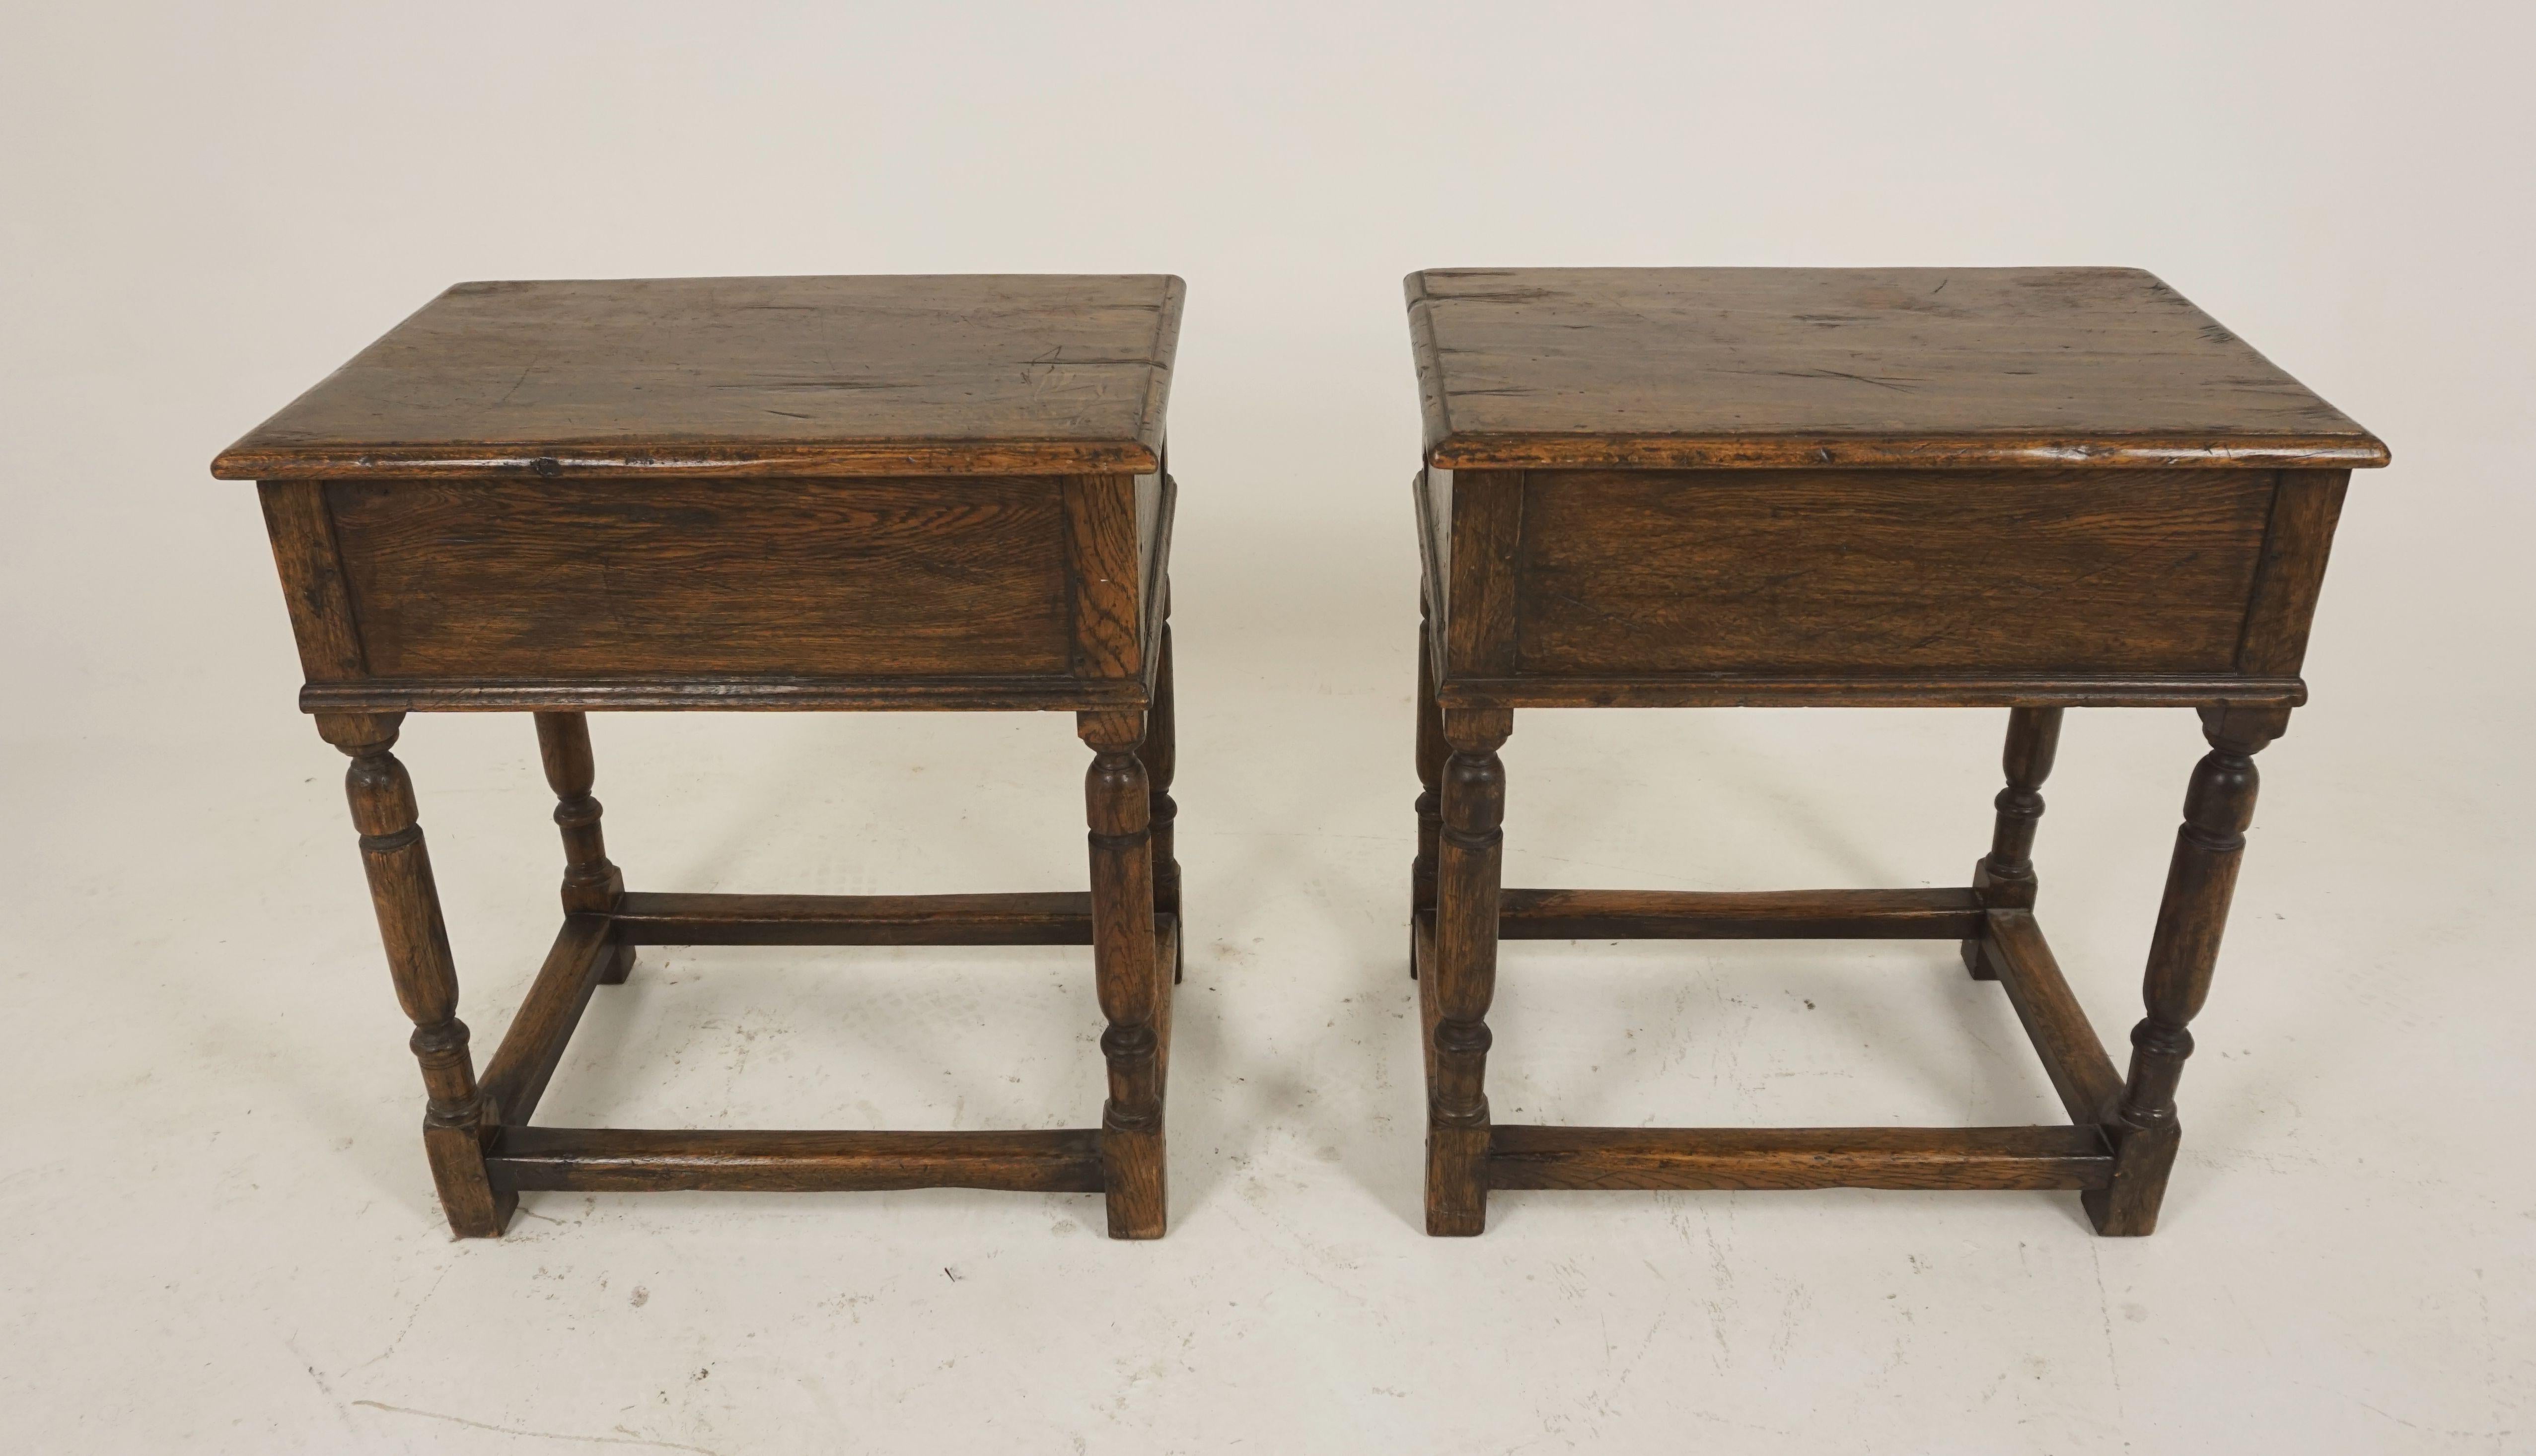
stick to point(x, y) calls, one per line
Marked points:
point(615, 964)
point(476, 1209)
point(1457, 1186)
point(495, 1223)
point(2127, 1207)
point(1132, 1181)
point(1974, 964)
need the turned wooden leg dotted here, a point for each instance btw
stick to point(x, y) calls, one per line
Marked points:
point(1131, 986)
point(1431, 779)
point(1160, 755)
point(2005, 877)
point(1465, 970)
point(458, 1117)
point(2199, 879)
point(590, 881)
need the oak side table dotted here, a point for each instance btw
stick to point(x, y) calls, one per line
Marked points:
point(805, 493)
point(2030, 488)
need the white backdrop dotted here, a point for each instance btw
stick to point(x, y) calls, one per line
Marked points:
point(222, 1230)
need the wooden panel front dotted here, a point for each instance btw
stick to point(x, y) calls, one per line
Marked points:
point(1632, 572)
point(554, 579)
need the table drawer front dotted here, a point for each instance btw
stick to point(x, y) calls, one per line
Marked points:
point(556, 579)
point(1886, 571)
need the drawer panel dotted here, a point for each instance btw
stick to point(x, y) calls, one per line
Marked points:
point(1879, 572)
point(818, 578)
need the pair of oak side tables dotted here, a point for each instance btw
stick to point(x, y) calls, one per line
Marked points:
point(2028, 488)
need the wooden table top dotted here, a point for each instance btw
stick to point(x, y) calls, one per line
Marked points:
point(856, 375)
point(1696, 367)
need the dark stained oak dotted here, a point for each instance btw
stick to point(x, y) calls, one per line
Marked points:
point(1027, 373)
point(313, 587)
point(2005, 877)
point(1745, 367)
point(2021, 961)
point(1736, 914)
point(2029, 488)
point(1463, 972)
point(2200, 880)
point(719, 692)
point(647, 421)
point(1110, 622)
point(612, 1160)
point(808, 493)
point(1027, 917)
point(1430, 806)
point(1475, 564)
point(896, 577)
point(1422, 971)
point(458, 1117)
point(592, 882)
point(1646, 604)
point(583, 957)
point(2031, 572)
point(2304, 515)
point(1134, 994)
point(1529, 1157)
point(1160, 754)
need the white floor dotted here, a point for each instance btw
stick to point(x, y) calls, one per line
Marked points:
point(225, 1239)
point(220, 1235)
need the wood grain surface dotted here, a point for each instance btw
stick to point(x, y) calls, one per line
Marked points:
point(1736, 914)
point(1522, 1156)
point(850, 375)
point(1652, 367)
point(906, 577)
point(1637, 572)
point(742, 1161)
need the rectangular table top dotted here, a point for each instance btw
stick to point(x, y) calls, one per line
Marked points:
point(1701, 368)
point(848, 375)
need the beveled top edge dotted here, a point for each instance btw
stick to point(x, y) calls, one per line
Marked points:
point(409, 406)
point(1475, 451)
point(2333, 441)
point(1158, 382)
point(588, 460)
